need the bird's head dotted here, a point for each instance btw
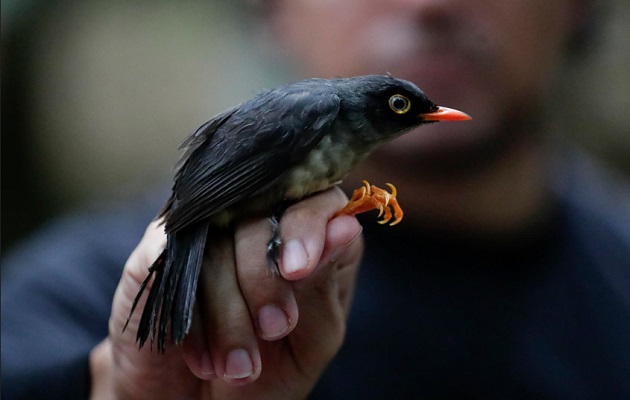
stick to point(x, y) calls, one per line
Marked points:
point(390, 106)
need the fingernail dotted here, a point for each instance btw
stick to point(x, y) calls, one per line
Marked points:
point(294, 256)
point(238, 365)
point(207, 369)
point(273, 322)
point(334, 256)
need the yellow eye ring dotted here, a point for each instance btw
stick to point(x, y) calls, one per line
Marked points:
point(399, 104)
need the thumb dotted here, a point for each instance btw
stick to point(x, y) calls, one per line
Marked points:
point(142, 373)
point(134, 273)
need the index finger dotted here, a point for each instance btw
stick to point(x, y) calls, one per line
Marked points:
point(303, 230)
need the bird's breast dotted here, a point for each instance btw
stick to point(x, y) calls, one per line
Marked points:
point(327, 164)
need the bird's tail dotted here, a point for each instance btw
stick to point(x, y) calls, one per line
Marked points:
point(172, 295)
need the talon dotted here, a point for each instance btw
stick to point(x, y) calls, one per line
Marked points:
point(385, 219)
point(368, 189)
point(398, 213)
point(388, 215)
point(393, 188)
point(370, 197)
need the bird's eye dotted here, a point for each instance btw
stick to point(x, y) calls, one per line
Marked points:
point(399, 104)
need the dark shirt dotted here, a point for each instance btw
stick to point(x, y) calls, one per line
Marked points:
point(546, 318)
point(546, 315)
point(57, 290)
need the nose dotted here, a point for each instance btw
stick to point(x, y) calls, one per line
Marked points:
point(431, 14)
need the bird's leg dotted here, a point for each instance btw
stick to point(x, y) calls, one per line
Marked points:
point(273, 247)
point(370, 197)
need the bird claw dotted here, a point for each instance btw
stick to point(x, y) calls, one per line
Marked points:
point(370, 197)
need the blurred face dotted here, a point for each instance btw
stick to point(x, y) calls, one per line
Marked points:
point(493, 59)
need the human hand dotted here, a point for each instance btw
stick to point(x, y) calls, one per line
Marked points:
point(254, 335)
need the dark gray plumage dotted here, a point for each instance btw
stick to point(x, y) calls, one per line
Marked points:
point(280, 146)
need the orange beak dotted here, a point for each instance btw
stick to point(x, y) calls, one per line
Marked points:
point(445, 114)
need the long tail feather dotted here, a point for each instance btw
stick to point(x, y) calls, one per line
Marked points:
point(172, 296)
point(186, 288)
point(156, 266)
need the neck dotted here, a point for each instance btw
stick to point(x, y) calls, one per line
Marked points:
point(504, 196)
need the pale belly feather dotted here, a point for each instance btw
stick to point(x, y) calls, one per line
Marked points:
point(325, 166)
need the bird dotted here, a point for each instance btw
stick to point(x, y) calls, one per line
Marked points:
point(262, 155)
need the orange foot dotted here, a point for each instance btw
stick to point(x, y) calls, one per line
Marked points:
point(370, 197)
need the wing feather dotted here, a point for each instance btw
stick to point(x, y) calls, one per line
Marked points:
point(246, 149)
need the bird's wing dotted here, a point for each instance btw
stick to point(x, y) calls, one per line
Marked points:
point(203, 133)
point(245, 150)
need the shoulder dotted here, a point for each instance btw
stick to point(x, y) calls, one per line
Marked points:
point(595, 197)
point(596, 210)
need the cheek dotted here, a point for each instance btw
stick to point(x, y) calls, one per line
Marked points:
point(531, 37)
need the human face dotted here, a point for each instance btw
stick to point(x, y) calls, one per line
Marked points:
point(493, 59)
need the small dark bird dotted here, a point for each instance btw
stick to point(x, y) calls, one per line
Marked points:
point(263, 154)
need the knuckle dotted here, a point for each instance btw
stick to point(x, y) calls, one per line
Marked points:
point(301, 217)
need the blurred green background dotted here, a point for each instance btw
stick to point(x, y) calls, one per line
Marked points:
point(97, 95)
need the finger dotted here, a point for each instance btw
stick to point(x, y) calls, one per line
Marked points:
point(343, 252)
point(196, 351)
point(324, 296)
point(227, 322)
point(332, 282)
point(145, 365)
point(148, 250)
point(269, 297)
point(303, 230)
point(135, 271)
point(341, 233)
